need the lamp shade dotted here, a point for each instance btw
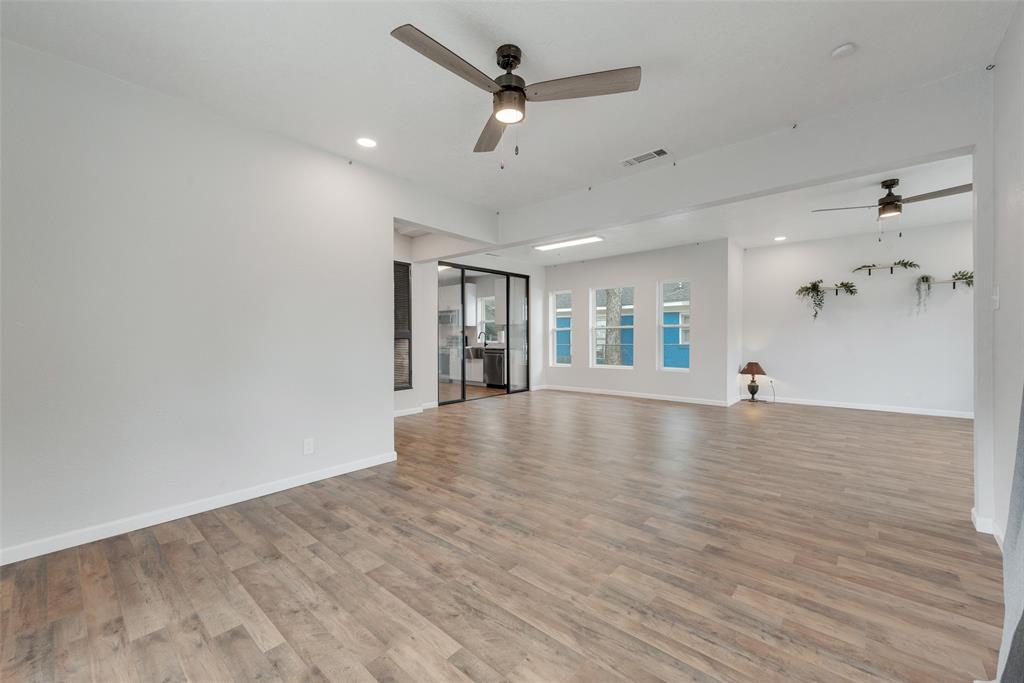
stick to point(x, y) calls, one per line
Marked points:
point(752, 368)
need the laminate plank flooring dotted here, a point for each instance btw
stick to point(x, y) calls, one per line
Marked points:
point(551, 537)
point(453, 392)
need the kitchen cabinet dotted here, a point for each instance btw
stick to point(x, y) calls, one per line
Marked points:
point(470, 304)
point(449, 298)
point(500, 305)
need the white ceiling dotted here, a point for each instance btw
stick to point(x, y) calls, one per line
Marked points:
point(756, 222)
point(327, 73)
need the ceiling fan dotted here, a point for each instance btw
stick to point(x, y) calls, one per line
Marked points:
point(510, 91)
point(892, 204)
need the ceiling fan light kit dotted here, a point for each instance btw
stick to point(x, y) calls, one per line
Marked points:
point(510, 92)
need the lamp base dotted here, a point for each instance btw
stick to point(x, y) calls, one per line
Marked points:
point(752, 388)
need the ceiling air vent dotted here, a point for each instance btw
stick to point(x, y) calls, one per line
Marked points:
point(646, 156)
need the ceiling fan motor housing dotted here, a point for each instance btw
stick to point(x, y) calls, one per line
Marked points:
point(509, 57)
point(891, 204)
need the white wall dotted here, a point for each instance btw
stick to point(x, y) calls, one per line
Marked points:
point(183, 302)
point(872, 350)
point(1008, 249)
point(706, 267)
point(734, 323)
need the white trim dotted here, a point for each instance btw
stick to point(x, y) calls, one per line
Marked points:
point(409, 411)
point(69, 539)
point(867, 406)
point(415, 411)
point(634, 394)
point(983, 525)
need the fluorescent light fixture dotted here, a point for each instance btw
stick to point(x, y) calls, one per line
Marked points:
point(780, 238)
point(570, 243)
point(366, 142)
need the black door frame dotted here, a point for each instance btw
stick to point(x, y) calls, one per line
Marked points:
point(508, 356)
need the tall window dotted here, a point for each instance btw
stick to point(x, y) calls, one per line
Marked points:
point(674, 319)
point(561, 328)
point(611, 329)
point(403, 327)
point(486, 315)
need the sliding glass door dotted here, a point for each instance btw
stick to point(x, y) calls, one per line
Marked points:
point(482, 333)
point(450, 342)
point(518, 333)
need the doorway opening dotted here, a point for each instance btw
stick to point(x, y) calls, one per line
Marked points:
point(482, 333)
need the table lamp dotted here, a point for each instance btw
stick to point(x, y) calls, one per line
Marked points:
point(753, 368)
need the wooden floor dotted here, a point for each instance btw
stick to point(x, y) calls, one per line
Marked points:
point(554, 537)
point(453, 391)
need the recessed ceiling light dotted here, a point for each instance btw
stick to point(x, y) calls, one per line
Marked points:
point(844, 50)
point(780, 238)
point(569, 243)
point(367, 142)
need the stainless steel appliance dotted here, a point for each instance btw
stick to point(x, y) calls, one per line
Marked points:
point(494, 367)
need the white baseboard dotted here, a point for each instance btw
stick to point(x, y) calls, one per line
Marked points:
point(69, 539)
point(867, 406)
point(409, 411)
point(987, 525)
point(983, 525)
point(634, 394)
point(417, 410)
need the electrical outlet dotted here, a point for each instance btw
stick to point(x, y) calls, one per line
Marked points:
point(307, 446)
point(995, 298)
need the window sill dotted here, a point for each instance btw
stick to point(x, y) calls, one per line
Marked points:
point(612, 367)
point(560, 365)
point(683, 370)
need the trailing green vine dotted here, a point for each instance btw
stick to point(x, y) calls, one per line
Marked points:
point(924, 290)
point(964, 276)
point(814, 293)
point(903, 263)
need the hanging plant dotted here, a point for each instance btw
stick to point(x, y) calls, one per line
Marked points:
point(964, 276)
point(924, 290)
point(814, 293)
point(903, 263)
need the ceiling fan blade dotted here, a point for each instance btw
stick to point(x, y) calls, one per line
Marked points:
point(438, 53)
point(948, 192)
point(586, 85)
point(490, 135)
point(845, 208)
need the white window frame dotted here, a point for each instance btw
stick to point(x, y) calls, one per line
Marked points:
point(553, 329)
point(592, 352)
point(660, 308)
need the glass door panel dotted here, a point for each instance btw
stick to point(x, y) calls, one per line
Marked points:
point(518, 333)
point(450, 335)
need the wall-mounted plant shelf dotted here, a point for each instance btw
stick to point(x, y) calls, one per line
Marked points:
point(814, 293)
point(903, 263)
point(926, 282)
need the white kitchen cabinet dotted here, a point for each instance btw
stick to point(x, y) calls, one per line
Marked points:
point(500, 305)
point(470, 304)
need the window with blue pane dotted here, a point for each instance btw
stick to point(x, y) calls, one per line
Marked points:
point(561, 328)
point(612, 327)
point(675, 325)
